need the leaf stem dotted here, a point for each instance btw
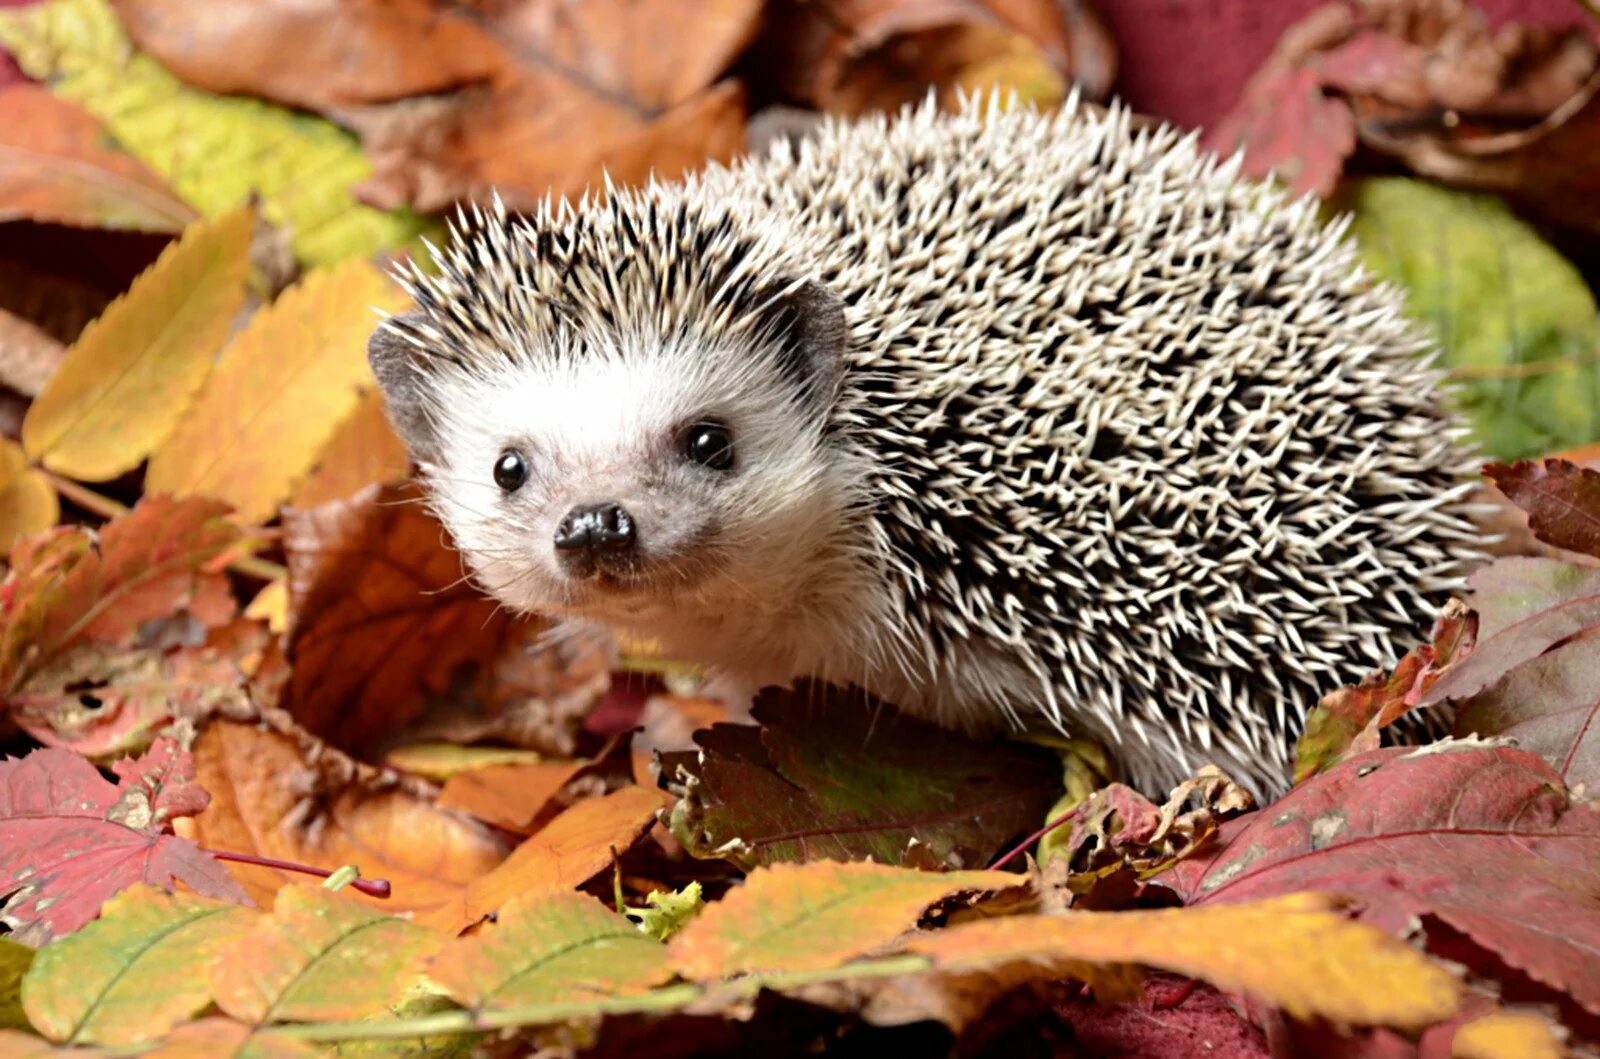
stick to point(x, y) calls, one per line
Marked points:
point(1026, 844)
point(107, 508)
point(371, 887)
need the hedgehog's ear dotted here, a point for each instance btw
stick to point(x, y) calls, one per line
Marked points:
point(403, 380)
point(812, 334)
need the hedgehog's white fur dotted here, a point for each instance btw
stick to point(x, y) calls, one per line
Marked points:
point(1120, 439)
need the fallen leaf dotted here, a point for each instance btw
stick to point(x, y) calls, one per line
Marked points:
point(385, 626)
point(440, 761)
point(133, 974)
point(793, 917)
point(14, 961)
point(854, 56)
point(567, 852)
point(830, 775)
point(1296, 952)
point(277, 393)
point(624, 88)
point(1562, 500)
point(363, 451)
point(318, 956)
point(1507, 1034)
point(28, 503)
point(56, 167)
point(549, 948)
point(69, 840)
point(1350, 721)
point(1484, 838)
point(211, 1038)
point(1514, 319)
point(78, 587)
point(508, 796)
point(354, 51)
point(215, 151)
point(274, 796)
point(126, 381)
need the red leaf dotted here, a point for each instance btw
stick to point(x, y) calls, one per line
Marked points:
point(1562, 500)
point(1484, 838)
point(69, 839)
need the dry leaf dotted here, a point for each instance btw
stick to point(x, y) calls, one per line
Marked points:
point(28, 354)
point(128, 378)
point(363, 451)
point(277, 797)
point(277, 393)
point(28, 502)
point(508, 796)
point(56, 166)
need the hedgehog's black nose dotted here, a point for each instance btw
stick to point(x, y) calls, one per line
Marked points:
point(593, 530)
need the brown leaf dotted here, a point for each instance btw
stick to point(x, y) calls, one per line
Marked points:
point(343, 51)
point(57, 166)
point(28, 354)
point(1562, 500)
point(280, 795)
point(508, 796)
point(859, 55)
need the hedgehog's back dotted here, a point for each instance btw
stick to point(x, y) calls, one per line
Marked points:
point(1146, 424)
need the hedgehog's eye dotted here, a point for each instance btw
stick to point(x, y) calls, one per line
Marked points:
point(710, 445)
point(510, 470)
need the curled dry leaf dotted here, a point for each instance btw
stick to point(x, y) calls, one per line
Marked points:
point(56, 167)
point(126, 381)
point(133, 974)
point(858, 55)
point(318, 955)
point(831, 774)
point(794, 917)
point(69, 840)
point(1482, 838)
point(385, 625)
point(283, 796)
point(28, 503)
point(345, 51)
point(277, 393)
point(549, 948)
point(627, 88)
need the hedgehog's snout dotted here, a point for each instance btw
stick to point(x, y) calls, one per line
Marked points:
point(594, 535)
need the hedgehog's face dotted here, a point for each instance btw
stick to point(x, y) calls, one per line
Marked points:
point(630, 478)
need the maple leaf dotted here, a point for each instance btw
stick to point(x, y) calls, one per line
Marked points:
point(1482, 838)
point(69, 839)
point(832, 775)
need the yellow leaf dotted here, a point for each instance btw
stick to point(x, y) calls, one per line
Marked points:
point(798, 917)
point(1507, 1035)
point(132, 372)
point(278, 393)
point(216, 151)
point(363, 450)
point(28, 502)
point(271, 605)
point(1295, 952)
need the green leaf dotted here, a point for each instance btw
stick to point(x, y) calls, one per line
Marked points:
point(214, 150)
point(14, 961)
point(550, 949)
point(1515, 319)
point(667, 911)
point(134, 973)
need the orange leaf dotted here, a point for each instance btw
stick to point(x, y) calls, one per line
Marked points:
point(126, 381)
point(212, 1037)
point(1296, 952)
point(318, 956)
point(797, 917)
point(363, 451)
point(570, 850)
point(56, 167)
point(508, 796)
point(262, 790)
point(278, 393)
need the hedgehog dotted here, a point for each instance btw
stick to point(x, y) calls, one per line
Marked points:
point(1011, 418)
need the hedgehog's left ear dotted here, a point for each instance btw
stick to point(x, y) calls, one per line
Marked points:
point(812, 333)
point(403, 380)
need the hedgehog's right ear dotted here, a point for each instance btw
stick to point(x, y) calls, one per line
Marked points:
point(403, 379)
point(812, 332)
